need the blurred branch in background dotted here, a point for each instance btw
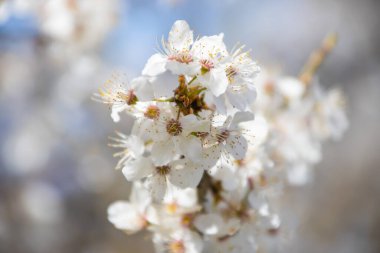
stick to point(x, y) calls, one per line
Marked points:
point(317, 58)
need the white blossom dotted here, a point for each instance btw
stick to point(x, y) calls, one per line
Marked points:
point(193, 112)
point(131, 216)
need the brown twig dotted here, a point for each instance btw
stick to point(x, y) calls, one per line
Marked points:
point(317, 58)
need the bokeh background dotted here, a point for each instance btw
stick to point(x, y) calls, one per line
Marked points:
point(56, 170)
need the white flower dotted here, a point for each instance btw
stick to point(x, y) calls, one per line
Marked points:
point(176, 55)
point(290, 88)
point(122, 95)
point(74, 26)
point(163, 85)
point(213, 224)
point(329, 119)
point(132, 149)
point(241, 72)
point(131, 216)
point(181, 241)
point(173, 137)
point(228, 137)
point(180, 173)
point(193, 112)
point(210, 51)
point(182, 201)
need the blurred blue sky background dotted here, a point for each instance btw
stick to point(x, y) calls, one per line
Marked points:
point(56, 171)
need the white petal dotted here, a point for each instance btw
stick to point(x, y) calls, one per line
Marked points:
point(142, 127)
point(209, 47)
point(210, 156)
point(191, 147)
point(142, 88)
point(180, 36)
point(116, 109)
point(186, 197)
point(237, 146)
point(190, 123)
point(152, 215)
point(241, 100)
point(299, 174)
point(220, 104)
point(123, 215)
point(163, 152)
point(138, 169)
point(193, 242)
point(225, 172)
point(155, 65)
point(209, 224)
point(291, 88)
point(157, 186)
point(179, 68)
point(259, 128)
point(140, 196)
point(241, 117)
point(185, 174)
point(135, 145)
point(218, 82)
point(164, 85)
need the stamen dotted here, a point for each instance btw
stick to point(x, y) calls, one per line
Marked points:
point(222, 136)
point(231, 72)
point(186, 220)
point(173, 127)
point(130, 98)
point(206, 66)
point(171, 208)
point(182, 57)
point(152, 112)
point(163, 170)
point(177, 247)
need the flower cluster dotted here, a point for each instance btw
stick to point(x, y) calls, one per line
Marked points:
point(299, 118)
point(203, 170)
point(74, 27)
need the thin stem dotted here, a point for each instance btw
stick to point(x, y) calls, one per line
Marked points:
point(317, 58)
point(192, 80)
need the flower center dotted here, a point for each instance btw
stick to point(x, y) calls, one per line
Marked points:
point(163, 170)
point(189, 98)
point(173, 127)
point(231, 72)
point(222, 136)
point(171, 208)
point(201, 135)
point(177, 247)
point(269, 88)
point(240, 163)
point(206, 66)
point(130, 98)
point(152, 112)
point(186, 220)
point(182, 57)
